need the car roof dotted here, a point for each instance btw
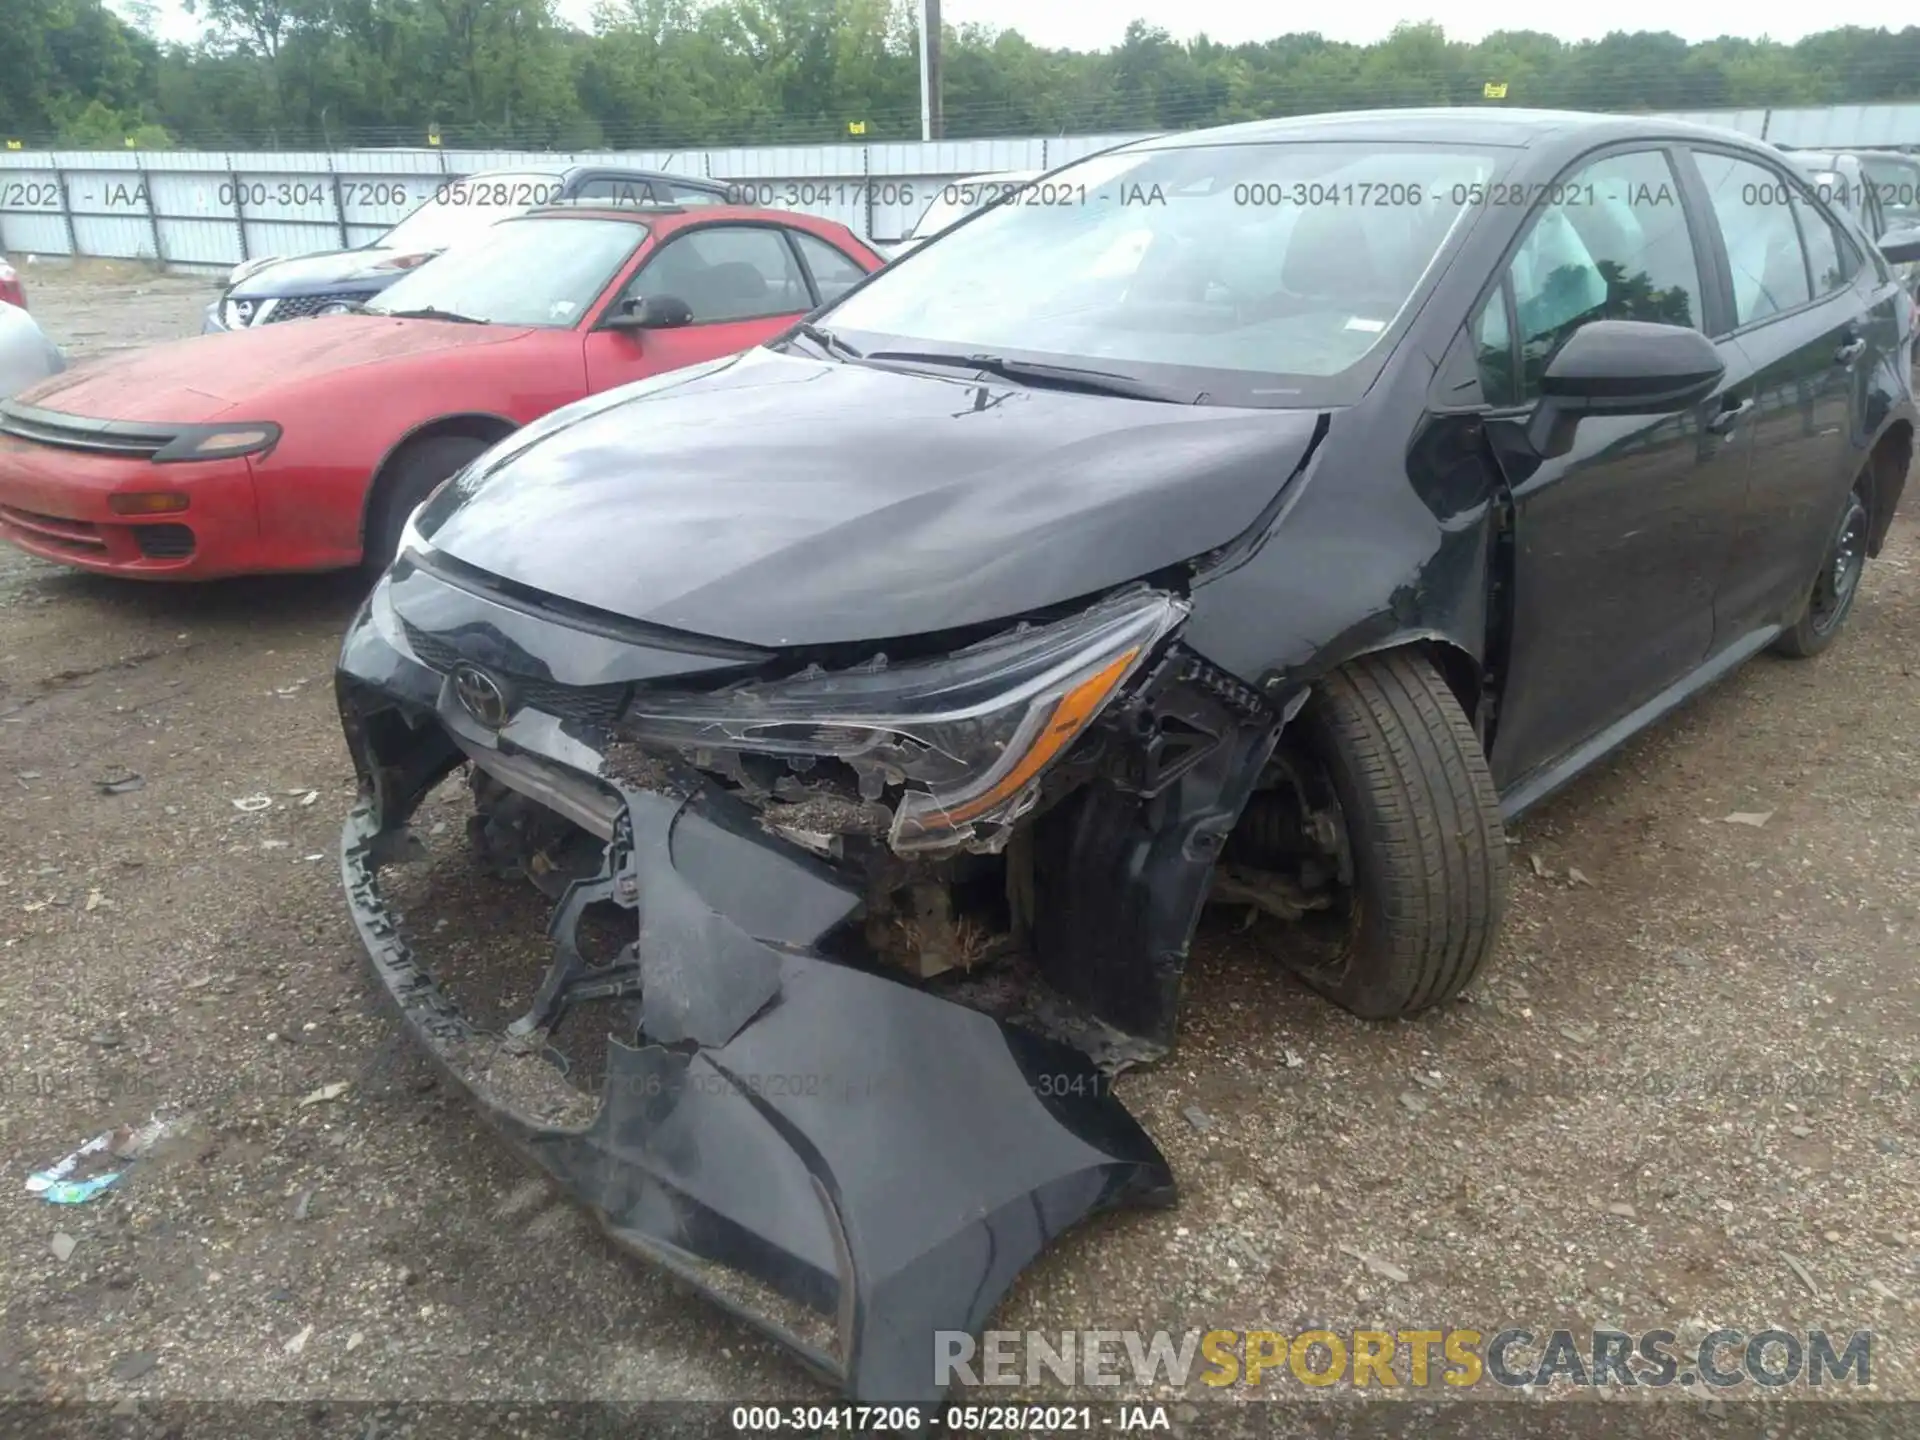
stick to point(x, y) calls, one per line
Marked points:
point(1828, 156)
point(639, 214)
point(1465, 124)
point(572, 167)
point(598, 208)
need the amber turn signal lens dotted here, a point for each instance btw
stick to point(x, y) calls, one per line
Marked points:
point(1073, 713)
point(148, 502)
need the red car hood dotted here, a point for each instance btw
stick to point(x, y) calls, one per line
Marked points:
point(189, 381)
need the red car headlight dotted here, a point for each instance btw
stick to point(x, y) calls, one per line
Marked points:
point(220, 442)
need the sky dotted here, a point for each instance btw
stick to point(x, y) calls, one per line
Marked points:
point(1099, 24)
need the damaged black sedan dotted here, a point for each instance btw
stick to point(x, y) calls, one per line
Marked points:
point(1253, 519)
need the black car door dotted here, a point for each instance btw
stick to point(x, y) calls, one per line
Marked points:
point(1803, 314)
point(1617, 544)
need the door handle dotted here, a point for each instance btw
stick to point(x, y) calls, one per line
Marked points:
point(1728, 415)
point(1849, 352)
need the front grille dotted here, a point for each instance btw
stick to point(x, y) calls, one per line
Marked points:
point(589, 704)
point(434, 652)
point(302, 307)
point(164, 542)
point(75, 535)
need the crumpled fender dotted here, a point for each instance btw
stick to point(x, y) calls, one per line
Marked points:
point(844, 1160)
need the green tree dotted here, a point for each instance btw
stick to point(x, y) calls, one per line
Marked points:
point(661, 74)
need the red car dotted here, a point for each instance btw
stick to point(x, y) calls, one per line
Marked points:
point(12, 292)
point(307, 446)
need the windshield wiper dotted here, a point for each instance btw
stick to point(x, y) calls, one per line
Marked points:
point(432, 312)
point(1039, 372)
point(826, 339)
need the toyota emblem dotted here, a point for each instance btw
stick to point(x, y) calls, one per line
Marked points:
point(481, 696)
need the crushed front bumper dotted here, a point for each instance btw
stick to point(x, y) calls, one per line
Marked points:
point(849, 1163)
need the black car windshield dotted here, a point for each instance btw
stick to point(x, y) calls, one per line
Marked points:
point(962, 197)
point(545, 271)
point(461, 208)
point(1260, 274)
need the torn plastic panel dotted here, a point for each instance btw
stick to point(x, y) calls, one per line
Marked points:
point(962, 741)
point(1121, 769)
point(846, 1161)
point(1125, 864)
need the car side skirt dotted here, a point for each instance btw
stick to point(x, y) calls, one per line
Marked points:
point(1535, 787)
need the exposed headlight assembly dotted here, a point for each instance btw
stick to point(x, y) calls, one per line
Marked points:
point(966, 737)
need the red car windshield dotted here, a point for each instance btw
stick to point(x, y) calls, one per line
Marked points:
point(545, 271)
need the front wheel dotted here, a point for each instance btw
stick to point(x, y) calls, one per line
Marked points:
point(408, 479)
point(1425, 853)
point(1834, 588)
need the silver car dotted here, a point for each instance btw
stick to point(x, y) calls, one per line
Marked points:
point(27, 356)
point(1880, 188)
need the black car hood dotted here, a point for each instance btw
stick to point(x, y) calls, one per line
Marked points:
point(777, 500)
point(370, 270)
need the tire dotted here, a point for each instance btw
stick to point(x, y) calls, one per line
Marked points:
point(1835, 587)
point(408, 479)
point(1423, 832)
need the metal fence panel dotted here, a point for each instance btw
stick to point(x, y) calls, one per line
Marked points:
point(33, 208)
point(1862, 127)
point(110, 207)
point(210, 208)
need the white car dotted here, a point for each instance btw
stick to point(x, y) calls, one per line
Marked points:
point(956, 200)
point(27, 356)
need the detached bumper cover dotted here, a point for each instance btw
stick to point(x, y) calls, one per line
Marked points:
point(846, 1161)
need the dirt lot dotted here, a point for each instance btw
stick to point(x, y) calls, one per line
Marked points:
point(1681, 1099)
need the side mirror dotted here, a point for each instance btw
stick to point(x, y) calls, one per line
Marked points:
point(1621, 367)
point(655, 312)
point(1901, 245)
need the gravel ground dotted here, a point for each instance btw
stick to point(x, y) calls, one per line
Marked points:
point(1680, 1099)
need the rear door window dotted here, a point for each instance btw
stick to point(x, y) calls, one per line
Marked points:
point(1829, 257)
point(833, 273)
point(1754, 208)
